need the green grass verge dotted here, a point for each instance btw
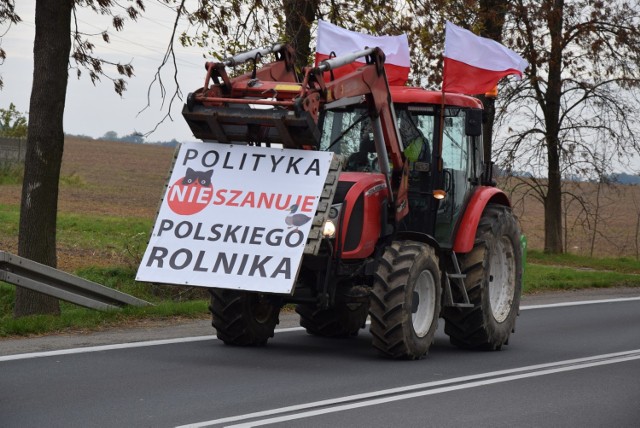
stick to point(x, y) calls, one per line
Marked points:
point(101, 232)
point(9, 220)
point(75, 318)
point(169, 302)
point(546, 278)
point(123, 236)
point(11, 172)
point(621, 264)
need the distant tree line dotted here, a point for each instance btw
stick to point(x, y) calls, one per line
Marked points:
point(134, 137)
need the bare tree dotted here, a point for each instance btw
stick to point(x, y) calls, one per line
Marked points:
point(581, 91)
point(57, 39)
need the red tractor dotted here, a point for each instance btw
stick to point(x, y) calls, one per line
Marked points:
point(413, 229)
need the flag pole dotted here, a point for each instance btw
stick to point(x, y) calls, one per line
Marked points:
point(439, 165)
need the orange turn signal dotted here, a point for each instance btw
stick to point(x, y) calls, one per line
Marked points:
point(439, 194)
point(492, 93)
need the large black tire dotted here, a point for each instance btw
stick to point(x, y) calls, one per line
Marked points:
point(344, 319)
point(243, 318)
point(493, 283)
point(405, 303)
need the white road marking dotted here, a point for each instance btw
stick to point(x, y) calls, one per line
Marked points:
point(584, 302)
point(142, 344)
point(419, 390)
point(100, 348)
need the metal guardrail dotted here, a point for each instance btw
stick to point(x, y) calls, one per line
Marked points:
point(64, 286)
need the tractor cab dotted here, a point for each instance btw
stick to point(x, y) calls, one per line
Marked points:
point(436, 195)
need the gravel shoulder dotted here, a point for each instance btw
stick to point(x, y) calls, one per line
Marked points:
point(147, 331)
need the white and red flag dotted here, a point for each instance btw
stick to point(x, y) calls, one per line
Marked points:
point(474, 64)
point(334, 39)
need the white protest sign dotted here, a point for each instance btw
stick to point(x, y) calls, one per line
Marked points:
point(235, 217)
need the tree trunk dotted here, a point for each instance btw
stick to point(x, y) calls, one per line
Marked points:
point(491, 17)
point(300, 14)
point(553, 201)
point(39, 206)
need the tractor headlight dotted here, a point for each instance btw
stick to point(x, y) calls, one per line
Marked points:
point(329, 229)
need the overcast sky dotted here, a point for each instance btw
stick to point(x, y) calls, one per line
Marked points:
point(94, 110)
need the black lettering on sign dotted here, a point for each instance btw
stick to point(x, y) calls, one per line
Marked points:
point(315, 166)
point(284, 268)
point(157, 254)
point(293, 165)
point(275, 162)
point(198, 267)
point(175, 261)
point(183, 229)
point(189, 155)
point(165, 225)
point(210, 158)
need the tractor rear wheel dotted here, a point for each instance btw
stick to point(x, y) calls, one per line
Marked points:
point(493, 281)
point(405, 303)
point(243, 318)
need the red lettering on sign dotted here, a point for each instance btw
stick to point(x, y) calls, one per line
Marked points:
point(188, 199)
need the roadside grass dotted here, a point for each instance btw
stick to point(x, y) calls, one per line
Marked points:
point(77, 319)
point(122, 238)
point(169, 303)
point(539, 277)
point(9, 218)
point(11, 173)
point(620, 264)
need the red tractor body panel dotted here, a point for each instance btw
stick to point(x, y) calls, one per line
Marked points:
point(362, 214)
point(466, 233)
point(408, 95)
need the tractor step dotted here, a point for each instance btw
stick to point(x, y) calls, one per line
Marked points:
point(461, 305)
point(457, 277)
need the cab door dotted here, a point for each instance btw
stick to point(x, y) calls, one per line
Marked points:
point(461, 153)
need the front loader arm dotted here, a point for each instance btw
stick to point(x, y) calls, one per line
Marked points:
point(371, 82)
point(224, 109)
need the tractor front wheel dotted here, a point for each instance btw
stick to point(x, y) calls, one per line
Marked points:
point(243, 318)
point(345, 318)
point(405, 303)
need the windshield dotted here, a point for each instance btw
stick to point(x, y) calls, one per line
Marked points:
point(348, 132)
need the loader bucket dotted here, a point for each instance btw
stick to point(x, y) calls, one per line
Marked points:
point(242, 123)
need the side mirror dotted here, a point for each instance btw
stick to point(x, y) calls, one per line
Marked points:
point(473, 123)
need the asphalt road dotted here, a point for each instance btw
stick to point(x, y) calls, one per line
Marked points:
point(565, 366)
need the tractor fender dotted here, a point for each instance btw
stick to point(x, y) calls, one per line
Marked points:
point(466, 234)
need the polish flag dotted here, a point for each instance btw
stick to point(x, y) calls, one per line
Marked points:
point(474, 65)
point(340, 41)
